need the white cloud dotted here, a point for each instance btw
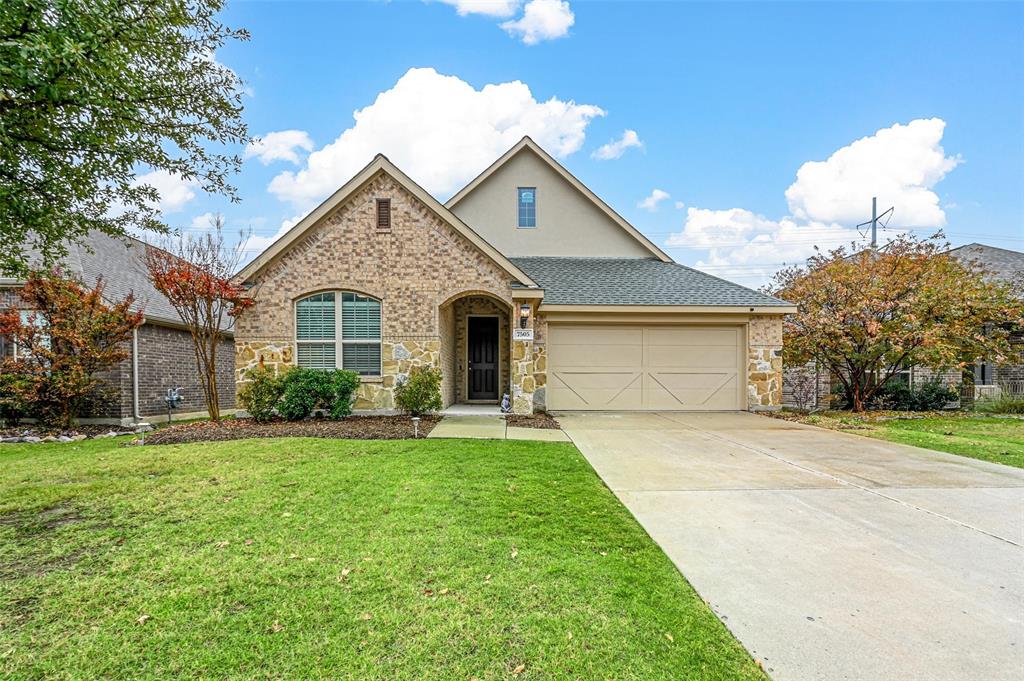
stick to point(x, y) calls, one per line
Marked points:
point(256, 244)
point(616, 148)
point(175, 192)
point(441, 131)
point(491, 8)
point(542, 20)
point(712, 228)
point(203, 222)
point(767, 247)
point(279, 146)
point(900, 165)
point(680, 205)
point(651, 202)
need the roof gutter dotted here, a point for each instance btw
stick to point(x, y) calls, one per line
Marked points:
point(673, 309)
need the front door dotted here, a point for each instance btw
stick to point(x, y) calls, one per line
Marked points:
point(483, 358)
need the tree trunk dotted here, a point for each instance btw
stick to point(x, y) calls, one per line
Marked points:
point(857, 393)
point(211, 375)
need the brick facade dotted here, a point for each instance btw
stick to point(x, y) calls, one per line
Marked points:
point(426, 274)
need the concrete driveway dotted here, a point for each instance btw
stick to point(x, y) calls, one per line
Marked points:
point(829, 556)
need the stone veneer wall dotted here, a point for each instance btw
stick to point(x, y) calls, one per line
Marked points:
point(764, 362)
point(529, 369)
point(375, 393)
point(414, 269)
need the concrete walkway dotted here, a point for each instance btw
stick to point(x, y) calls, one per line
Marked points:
point(830, 556)
point(491, 428)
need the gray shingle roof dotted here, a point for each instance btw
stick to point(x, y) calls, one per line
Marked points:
point(1004, 264)
point(122, 264)
point(634, 281)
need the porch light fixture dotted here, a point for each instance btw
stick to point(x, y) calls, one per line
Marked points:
point(524, 314)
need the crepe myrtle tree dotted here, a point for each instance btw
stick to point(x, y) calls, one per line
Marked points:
point(194, 272)
point(866, 315)
point(64, 333)
point(94, 94)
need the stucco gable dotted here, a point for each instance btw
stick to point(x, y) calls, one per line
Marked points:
point(572, 221)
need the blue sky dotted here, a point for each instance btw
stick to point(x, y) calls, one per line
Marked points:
point(728, 102)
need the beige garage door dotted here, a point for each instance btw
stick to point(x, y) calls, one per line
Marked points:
point(618, 367)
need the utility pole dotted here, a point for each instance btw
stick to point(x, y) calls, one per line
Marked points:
point(874, 222)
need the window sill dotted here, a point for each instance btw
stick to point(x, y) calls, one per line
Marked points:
point(371, 379)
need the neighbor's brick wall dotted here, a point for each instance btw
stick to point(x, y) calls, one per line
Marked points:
point(949, 377)
point(817, 385)
point(412, 269)
point(1014, 369)
point(167, 360)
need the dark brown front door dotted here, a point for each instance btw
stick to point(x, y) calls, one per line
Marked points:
point(483, 358)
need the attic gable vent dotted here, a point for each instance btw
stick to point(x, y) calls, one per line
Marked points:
point(384, 214)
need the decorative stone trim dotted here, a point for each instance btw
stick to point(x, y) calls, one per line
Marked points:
point(375, 393)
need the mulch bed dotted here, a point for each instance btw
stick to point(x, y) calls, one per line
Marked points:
point(351, 428)
point(543, 421)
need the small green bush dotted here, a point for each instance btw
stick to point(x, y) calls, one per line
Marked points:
point(930, 396)
point(308, 389)
point(262, 393)
point(420, 393)
point(1001, 405)
point(898, 396)
point(12, 406)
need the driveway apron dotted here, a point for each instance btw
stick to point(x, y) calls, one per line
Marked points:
point(828, 555)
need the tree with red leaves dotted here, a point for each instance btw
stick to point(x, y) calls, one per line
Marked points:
point(65, 334)
point(194, 273)
point(865, 316)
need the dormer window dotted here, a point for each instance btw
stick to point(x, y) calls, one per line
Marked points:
point(527, 207)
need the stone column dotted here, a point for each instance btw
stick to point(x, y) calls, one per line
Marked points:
point(764, 369)
point(524, 383)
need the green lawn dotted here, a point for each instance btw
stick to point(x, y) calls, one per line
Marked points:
point(987, 438)
point(304, 558)
point(990, 439)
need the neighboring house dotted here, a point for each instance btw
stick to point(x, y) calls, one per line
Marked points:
point(162, 354)
point(1007, 266)
point(989, 378)
point(525, 283)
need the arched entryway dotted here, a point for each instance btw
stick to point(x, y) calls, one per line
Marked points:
point(475, 348)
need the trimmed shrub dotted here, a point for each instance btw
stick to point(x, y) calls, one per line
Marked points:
point(262, 393)
point(420, 393)
point(306, 390)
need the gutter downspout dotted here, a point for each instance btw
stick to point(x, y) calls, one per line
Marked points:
point(135, 375)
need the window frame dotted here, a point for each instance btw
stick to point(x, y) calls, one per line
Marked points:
point(519, 208)
point(339, 341)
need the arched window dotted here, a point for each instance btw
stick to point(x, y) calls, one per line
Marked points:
point(333, 337)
